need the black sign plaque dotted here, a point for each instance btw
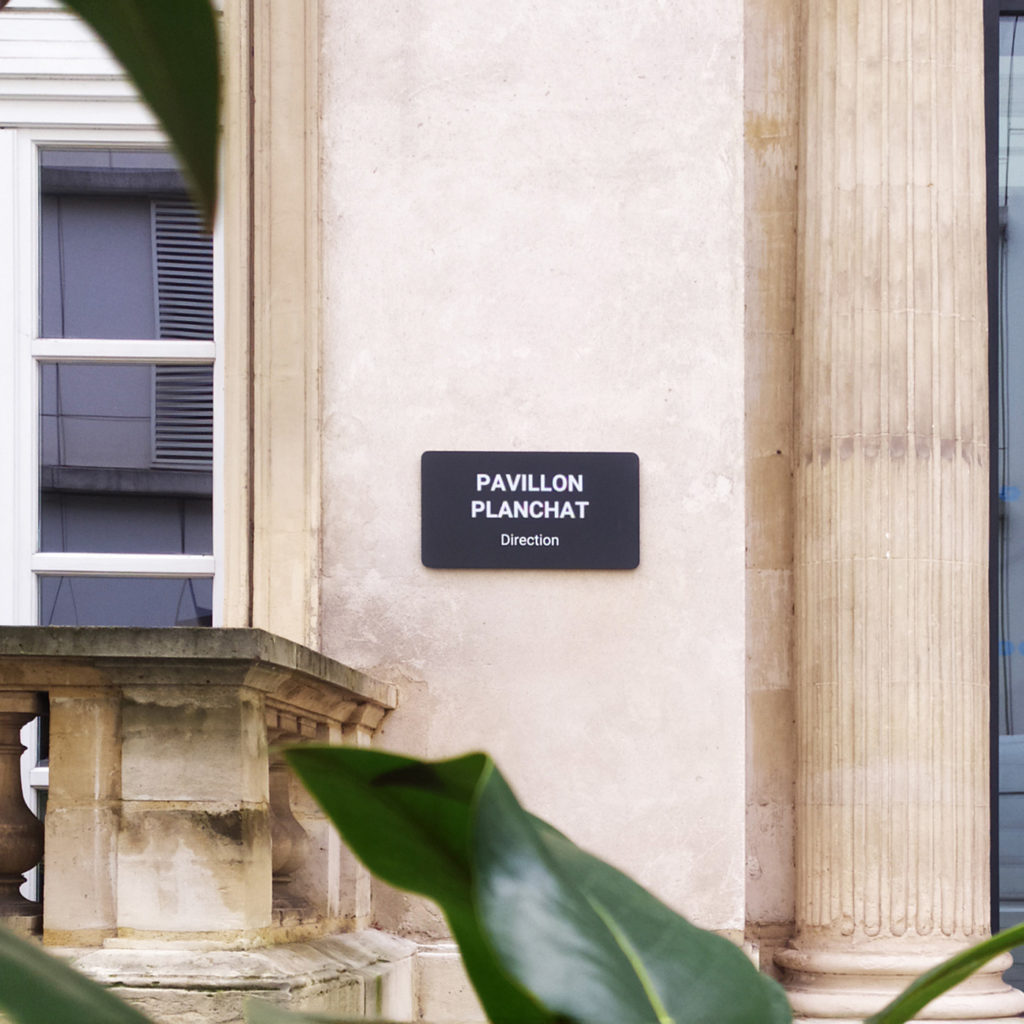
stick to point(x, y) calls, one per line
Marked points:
point(530, 510)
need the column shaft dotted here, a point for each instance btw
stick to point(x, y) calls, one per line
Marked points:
point(891, 553)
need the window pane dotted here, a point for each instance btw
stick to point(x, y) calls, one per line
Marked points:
point(122, 250)
point(125, 523)
point(96, 273)
point(125, 457)
point(1010, 652)
point(1011, 370)
point(124, 601)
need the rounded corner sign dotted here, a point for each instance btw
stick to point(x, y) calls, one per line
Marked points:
point(530, 510)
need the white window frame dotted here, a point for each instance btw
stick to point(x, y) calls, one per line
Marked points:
point(24, 352)
point(62, 95)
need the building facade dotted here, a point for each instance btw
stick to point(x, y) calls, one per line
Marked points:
point(745, 241)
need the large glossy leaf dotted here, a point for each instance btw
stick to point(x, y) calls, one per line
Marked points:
point(589, 944)
point(36, 988)
point(942, 978)
point(556, 913)
point(410, 822)
point(170, 51)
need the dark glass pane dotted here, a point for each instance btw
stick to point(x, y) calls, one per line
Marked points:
point(125, 523)
point(43, 739)
point(125, 455)
point(1010, 464)
point(1011, 369)
point(124, 601)
point(123, 253)
point(96, 270)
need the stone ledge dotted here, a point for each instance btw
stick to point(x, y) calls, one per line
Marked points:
point(356, 973)
point(117, 646)
point(282, 968)
point(168, 801)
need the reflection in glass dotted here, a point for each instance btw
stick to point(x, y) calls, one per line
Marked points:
point(125, 523)
point(123, 253)
point(124, 601)
point(125, 458)
point(1010, 537)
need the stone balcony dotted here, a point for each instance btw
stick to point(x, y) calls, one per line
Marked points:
point(172, 828)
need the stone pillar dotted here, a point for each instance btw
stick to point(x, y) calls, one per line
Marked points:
point(194, 856)
point(83, 815)
point(891, 555)
point(286, 302)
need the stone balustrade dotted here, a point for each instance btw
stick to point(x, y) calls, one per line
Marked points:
point(171, 821)
point(21, 832)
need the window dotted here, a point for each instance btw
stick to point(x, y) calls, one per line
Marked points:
point(114, 390)
point(108, 419)
point(108, 385)
point(1009, 467)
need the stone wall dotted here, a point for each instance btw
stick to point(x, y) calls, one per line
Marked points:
point(533, 240)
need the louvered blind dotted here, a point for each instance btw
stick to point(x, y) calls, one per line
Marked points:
point(182, 395)
point(184, 271)
point(183, 417)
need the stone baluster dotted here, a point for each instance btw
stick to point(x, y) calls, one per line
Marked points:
point(289, 843)
point(21, 832)
point(288, 840)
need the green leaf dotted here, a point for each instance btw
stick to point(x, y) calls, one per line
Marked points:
point(410, 822)
point(688, 966)
point(555, 912)
point(950, 972)
point(523, 901)
point(36, 988)
point(170, 52)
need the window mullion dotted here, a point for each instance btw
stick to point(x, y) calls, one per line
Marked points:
point(88, 563)
point(18, 512)
point(99, 350)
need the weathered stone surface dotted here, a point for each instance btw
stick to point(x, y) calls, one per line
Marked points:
point(442, 988)
point(290, 663)
point(362, 973)
point(158, 826)
point(220, 743)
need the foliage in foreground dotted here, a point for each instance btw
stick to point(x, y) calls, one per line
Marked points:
point(170, 52)
point(547, 931)
point(549, 934)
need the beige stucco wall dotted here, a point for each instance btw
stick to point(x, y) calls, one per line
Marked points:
point(533, 240)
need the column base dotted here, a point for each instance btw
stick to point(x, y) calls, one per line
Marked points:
point(354, 975)
point(826, 987)
point(17, 913)
point(27, 921)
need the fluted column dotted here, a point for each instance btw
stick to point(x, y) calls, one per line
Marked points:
point(891, 555)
